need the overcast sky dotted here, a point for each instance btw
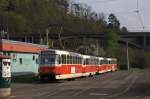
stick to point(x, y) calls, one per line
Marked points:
point(124, 11)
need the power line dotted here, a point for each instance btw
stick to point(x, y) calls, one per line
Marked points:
point(137, 11)
point(139, 15)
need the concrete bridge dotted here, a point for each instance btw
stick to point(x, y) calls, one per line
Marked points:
point(137, 38)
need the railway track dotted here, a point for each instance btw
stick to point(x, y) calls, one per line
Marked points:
point(117, 85)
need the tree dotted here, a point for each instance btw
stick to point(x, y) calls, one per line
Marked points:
point(111, 43)
point(124, 29)
point(113, 22)
point(3, 5)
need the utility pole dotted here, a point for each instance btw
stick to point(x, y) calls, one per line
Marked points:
point(97, 44)
point(128, 60)
point(47, 31)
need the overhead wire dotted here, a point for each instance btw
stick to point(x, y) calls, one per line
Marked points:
point(137, 11)
point(139, 16)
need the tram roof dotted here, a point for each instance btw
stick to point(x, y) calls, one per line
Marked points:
point(100, 58)
point(55, 51)
point(88, 56)
point(110, 59)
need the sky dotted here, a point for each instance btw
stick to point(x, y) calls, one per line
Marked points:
point(125, 11)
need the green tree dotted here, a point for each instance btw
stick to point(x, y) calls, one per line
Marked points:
point(124, 29)
point(113, 22)
point(3, 5)
point(111, 43)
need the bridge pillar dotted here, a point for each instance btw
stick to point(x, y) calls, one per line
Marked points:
point(148, 41)
point(144, 41)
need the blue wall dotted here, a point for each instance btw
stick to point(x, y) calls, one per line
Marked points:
point(23, 63)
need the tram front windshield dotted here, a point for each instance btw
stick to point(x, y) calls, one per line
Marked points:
point(48, 59)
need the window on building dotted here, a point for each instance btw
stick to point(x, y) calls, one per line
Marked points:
point(20, 60)
point(36, 60)
point(8, 54)
point(33, 58)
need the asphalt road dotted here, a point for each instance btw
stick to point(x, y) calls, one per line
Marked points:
point(133, 84)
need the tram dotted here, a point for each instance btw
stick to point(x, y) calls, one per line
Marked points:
point(58, 64)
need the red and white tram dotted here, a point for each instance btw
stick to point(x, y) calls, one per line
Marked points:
point(57, 64)
point(90, 65)
point(60, 64)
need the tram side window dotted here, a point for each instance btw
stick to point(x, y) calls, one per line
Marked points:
point(84, 61)
point(112, 62)
point(80, 60)
point(63, 57)
point(87, 61)
point(58, 59)
point(76, 60)
point(67, 59)
point(92, 61)
point(115, 61)
point(97, 62)
point(100, 62)
point(104, 62)
point(108, 62)
point(71, 59)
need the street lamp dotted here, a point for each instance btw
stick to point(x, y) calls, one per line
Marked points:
point(128, 61)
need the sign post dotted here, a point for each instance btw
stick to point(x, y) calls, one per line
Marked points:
point(5, 77)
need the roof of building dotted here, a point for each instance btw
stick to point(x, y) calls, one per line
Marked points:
point(17, 46)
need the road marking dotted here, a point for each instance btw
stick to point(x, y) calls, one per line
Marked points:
point(98, 94)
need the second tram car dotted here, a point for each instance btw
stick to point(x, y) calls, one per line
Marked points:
point(58, 64)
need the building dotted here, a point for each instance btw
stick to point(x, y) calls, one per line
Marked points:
point(24, 56)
